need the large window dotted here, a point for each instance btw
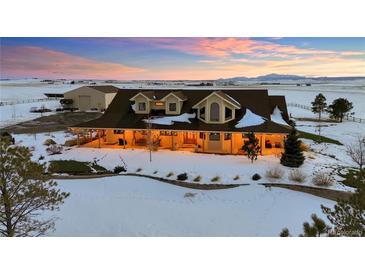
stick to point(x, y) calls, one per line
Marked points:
point(172, 106)
point(227, 113)
point(142, 106)
point(214, 112)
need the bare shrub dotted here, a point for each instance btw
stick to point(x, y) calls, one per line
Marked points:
point(275, 173)
point(357, 152)
point(189, 195)
point(322, 179)
point(304, 147)
point(297, 175)
point(54, 149)
point(49, 142)
point(197, 178)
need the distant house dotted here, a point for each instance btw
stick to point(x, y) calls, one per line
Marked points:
point(90, 97)
point(199, 120)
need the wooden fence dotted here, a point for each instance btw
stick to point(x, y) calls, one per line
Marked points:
point(26, 101)
point(347, 117)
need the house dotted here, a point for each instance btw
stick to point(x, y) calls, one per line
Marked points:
point(90, 97)
point(200, 120)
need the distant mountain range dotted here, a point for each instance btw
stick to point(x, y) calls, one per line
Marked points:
point(281, 77)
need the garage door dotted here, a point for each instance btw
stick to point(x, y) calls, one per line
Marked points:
point(84, 102)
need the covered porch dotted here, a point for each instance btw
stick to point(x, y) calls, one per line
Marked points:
point(194, 141)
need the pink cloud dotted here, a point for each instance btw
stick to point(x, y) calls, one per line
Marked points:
point(24, 61)
point(225, 47)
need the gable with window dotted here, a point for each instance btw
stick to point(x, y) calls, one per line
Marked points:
point(217, 108)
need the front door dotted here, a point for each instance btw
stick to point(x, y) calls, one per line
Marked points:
point(214, 142)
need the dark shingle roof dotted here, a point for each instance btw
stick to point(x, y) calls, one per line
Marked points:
point(105, 89)
point(120, 114)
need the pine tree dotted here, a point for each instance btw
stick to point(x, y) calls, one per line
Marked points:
point(25, 191)
point(292, 156)
point(348, 217)
point(339, 108)
point(251, 146)
point(319, 105)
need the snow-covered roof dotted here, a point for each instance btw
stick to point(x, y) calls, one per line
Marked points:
point(170, 120)
point(250, 119)
point(277, 117)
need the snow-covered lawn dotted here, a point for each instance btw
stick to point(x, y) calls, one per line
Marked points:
point(132, 206)
point(13, 114)
point(226, 167)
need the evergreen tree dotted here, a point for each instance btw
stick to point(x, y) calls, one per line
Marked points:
point(319, 105)
point(251, 146)
point(25, 191)
point(348, 217)
point(316, 229)
point(292, 156)
point(339, 108)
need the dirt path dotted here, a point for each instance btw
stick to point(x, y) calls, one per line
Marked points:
point(56, 122)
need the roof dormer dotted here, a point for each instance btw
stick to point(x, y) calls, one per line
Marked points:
point(217, 108)
point(174, 102)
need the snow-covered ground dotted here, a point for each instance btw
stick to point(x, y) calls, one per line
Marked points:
point(226, 167)
point(132, 206)
point(13, 114)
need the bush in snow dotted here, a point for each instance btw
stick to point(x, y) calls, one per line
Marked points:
point(275, 173)
point(292, 156)
point(169, 174)
point(155, 172)
point(285, 233)
point(49, 142)
point(197, 178)
point(297, 175)
point(215, 179)
point(256, 177)
point(138, 169)
point(41, 158)
point(236, 178)
point(322, 179)
point(119, 169)
point(54, 149)
point(182, 176)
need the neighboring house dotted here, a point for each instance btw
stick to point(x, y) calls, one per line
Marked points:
point(200, 120)
point(90, 97)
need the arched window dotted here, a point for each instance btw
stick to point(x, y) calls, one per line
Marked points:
point(214, 112)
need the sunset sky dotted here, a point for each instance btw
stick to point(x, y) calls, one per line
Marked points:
point(179, 58)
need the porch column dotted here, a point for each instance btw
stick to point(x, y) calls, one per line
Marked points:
point(124, 138)
point(134, 138)
point(99, 137)
point(172, 141)
point(204, 136)
point(231, 143)
point(78, 138)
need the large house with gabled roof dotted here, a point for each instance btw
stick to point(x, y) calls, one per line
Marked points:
point(199, 120)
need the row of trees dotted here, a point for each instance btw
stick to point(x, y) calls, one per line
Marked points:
point(337, 110)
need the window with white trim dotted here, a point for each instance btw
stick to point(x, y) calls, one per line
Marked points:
point(142, 106)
